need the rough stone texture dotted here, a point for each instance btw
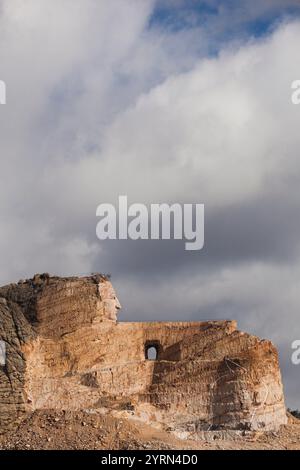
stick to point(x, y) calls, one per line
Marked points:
point(66, 350)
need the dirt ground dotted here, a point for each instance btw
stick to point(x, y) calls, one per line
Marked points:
point(89, 430)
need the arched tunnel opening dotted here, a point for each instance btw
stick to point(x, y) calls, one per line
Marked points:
point(152, 350)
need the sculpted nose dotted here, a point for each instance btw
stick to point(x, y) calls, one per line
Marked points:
point(118, 305)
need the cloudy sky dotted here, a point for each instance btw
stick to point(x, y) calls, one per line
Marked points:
point(163, 101)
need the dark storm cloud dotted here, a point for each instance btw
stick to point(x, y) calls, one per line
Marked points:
point(266, 230)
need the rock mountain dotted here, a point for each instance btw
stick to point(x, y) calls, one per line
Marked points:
point(67, 351)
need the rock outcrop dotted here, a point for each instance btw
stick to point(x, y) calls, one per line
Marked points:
point(65, 349)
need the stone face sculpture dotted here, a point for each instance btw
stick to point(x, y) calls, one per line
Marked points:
point(66, 350)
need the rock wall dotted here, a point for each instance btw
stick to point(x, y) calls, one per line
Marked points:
point(15, 330)
point(66, 350)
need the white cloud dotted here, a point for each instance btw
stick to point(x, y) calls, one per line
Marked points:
point(214, 130)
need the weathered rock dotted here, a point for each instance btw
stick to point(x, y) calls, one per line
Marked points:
point(66, 350)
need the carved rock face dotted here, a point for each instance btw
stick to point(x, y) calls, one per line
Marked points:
point(111, 303)
point(65, 350)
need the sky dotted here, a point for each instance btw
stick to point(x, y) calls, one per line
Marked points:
point(162, 101)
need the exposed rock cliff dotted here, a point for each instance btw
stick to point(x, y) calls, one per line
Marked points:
point(66, 350)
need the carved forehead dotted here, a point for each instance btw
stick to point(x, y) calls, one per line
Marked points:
point(106, 290)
